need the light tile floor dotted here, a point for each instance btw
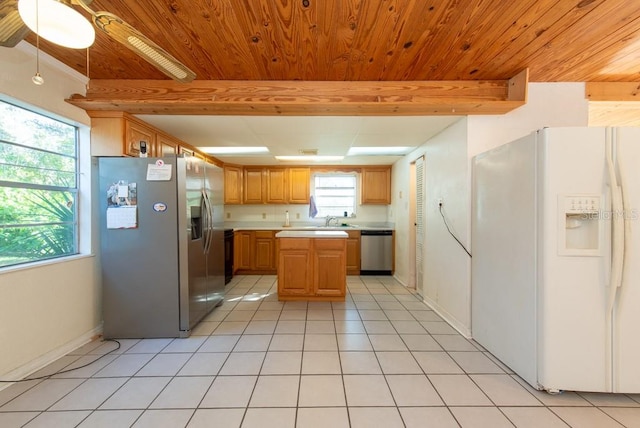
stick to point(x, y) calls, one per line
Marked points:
point(381, 358)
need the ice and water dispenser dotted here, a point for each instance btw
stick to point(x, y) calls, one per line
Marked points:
point(580, 225)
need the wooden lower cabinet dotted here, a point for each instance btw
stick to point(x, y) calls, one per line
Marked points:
point(264, 248)
point(295, 267)
point(330, 267)
point(312, 269)
point(353, 252)
point(254, 252)
point(242, 260)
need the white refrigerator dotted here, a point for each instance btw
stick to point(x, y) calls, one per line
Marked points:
point(556, 258)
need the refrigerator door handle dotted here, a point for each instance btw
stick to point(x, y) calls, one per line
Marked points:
point(204, 210)
point(617, 208)
point(617, 252)
point(209, 221)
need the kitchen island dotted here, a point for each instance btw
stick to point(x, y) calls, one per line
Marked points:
point(312, 265)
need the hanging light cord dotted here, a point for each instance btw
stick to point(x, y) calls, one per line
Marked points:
point(37, 38)
point(88, 78)
point(37, 79)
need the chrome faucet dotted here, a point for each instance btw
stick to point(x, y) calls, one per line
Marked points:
point(328, 221)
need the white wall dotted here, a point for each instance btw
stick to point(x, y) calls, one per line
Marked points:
point(447, 269)
point(549, 104)
point(48, 309)
point(297, 213)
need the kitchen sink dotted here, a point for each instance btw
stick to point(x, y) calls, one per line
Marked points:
point(333, 226)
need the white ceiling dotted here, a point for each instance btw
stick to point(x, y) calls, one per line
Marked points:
point(286, 135)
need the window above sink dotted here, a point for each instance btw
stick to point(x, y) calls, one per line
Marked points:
point(334, 194)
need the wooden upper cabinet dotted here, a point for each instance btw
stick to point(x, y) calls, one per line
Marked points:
point(376, 185)
point(276, 185)
point(185, 151)
point(232, 185)
point(299, 185)
point(166, 146)
point(116, 133)
point(253, 186)
point(136, 133)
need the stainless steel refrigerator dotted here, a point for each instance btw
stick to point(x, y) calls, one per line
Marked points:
point(161, 244)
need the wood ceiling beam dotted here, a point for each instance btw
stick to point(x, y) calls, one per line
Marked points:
point(316, 98)
point(613, 103)
point(612, 91)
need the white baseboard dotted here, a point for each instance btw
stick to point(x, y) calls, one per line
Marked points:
point(46, 359)
point(399, 281)
point(451, 320)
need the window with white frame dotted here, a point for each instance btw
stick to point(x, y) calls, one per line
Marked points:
point(335, 194)
point(38, 186)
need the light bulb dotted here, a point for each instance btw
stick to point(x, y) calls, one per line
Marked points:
point(57, 22)
point(38, 79)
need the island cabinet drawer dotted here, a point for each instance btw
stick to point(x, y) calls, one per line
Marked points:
point(330, 244)
point(295, 244)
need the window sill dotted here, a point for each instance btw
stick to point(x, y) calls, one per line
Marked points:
point(42, 263)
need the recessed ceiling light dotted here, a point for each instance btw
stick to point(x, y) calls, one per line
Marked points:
point(309, 158)
point(379, 151)
point(234, 150)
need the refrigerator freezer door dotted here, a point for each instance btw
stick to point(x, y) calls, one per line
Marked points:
point(626, 346)
point(139, 269)
point(504, 254)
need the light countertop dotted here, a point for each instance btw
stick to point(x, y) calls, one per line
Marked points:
point(312, 234)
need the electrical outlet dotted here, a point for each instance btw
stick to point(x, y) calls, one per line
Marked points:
point(264, 215)
point(440, 202)
point(297, 216)
point(228, 215)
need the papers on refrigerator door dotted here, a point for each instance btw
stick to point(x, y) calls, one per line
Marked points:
point(159, 171)
point(122, 201)
point(122, 217)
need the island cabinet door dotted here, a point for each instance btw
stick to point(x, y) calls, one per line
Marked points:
point(330, 267)
point(294, 267)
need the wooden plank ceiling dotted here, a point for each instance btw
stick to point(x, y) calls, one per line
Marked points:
point(357, 41)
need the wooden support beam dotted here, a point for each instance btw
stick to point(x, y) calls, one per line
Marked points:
point(613, 103)
point(317, 98)
point(612, 91)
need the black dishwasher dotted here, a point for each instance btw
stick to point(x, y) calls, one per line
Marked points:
point(376, 252)
point(228, 255)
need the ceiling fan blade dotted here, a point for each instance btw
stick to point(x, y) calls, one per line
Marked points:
point(12, 29)
point(125, 34)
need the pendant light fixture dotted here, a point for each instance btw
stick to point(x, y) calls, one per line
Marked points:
point(57, 22)
point(37, 79)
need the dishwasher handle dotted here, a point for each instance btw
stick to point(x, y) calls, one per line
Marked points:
point(376, 232)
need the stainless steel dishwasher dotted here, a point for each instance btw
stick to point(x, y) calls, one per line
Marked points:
point(376, 252)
